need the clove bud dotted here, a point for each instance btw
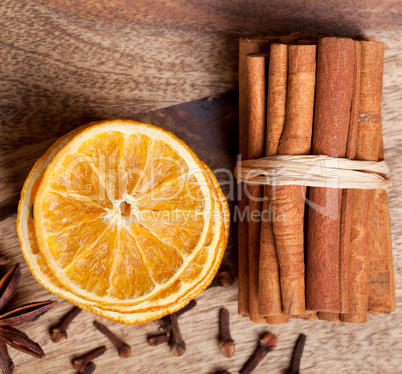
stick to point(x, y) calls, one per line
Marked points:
point(80, 363)
point(123, 349)
point(58, 332)
point(154, 340)
point(226, 343)
point(223, 279)
point(297, 354)
point(178, 346)
point(164, 322)
point(266, 344)
point(89, 369)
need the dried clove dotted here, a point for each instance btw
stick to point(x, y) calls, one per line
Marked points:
point(80, 363)
point(226, 343)
point(58, 332)
point(123, 349)
point(266, 344)
point(297, 355)
point(186, 308)
point(178, 346)
point(164, 322)
point(158, 339)
point(223, 279)
point(90, 368)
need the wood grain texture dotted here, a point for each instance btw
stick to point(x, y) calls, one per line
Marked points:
point(241, 15)
point(61, 67)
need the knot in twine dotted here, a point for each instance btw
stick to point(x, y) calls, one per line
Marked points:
point(314, 171)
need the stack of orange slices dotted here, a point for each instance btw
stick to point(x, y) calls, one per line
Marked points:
point(122, 219)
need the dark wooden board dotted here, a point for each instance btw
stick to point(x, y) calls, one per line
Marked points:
point(66, 63)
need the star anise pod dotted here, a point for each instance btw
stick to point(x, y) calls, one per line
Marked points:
point(18, 316)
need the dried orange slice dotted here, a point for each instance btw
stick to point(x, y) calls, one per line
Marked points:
point(109, 255)
point(194, 279)
point(202, 261)
point(199, 272)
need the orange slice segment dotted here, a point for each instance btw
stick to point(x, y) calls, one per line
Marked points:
point(105, 255)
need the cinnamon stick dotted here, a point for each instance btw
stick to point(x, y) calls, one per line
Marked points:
point(246, 46)
point(347, 196)
point(308, 316)
point(386, 227)
point(269, 295)
point(381, 293)
point(381, 282)
point(329, 316)
point(276, 98)
point(258, 45)
point(255, 71)
point(277, 319)
point(363, 203)
point(372, 57)
point(242, 238)
point(334, 89)
point(287, 202)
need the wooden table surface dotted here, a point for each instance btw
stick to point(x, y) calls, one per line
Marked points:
point(65, 63)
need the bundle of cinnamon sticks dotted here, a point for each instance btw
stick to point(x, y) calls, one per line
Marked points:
point(312, 253)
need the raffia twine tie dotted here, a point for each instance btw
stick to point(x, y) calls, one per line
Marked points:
point(314, 171)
